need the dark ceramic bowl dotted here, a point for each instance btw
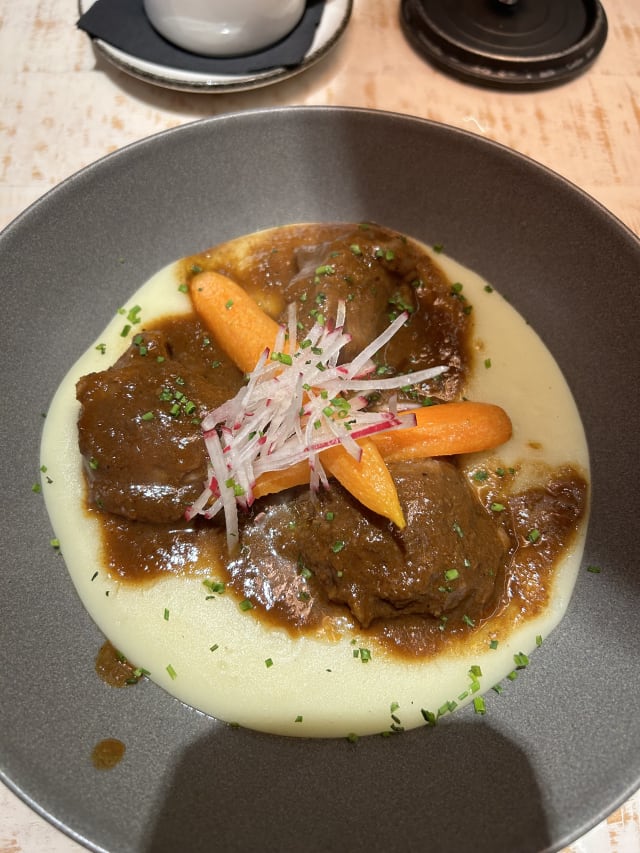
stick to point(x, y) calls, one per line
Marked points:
point(561, 747)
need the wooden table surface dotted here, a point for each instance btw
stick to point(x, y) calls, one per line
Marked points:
point(62, 106)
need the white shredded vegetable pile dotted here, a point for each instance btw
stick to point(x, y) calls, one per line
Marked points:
point(297, 402)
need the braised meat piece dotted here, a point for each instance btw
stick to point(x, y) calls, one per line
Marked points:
point(449, 559)
point(378, 273)
point(139, 425)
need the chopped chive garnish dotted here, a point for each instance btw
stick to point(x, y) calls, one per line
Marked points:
point(493, 644)
point(451, 574)
point(133, 315)
point(172, 673)
point(298, 719)
point(338, 546)
point(148, 416)
point(497, 507)
point(214, 647)
point(268, 663)
point(183, 288)
point(246, 604)
point(595, 570)
point(326, 269)
point(487, 362)
point(533, 535)
point(214, 586)
point(429, 717)
point(479, 706)
point(166, 614)
point(521, 660)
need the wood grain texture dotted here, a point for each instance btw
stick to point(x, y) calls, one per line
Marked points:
point(62, 106)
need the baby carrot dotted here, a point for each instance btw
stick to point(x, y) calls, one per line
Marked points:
point(368, 479)
point(286, 478)
point(445, 430)
point(239, 325)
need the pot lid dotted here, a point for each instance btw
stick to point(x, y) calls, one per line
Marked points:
point(516, 44)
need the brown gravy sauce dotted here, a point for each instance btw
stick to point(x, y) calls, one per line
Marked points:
point(113, 668)
point(107, 753)
point(138, 553)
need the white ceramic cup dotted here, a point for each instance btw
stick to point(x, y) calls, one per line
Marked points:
point(224, 27)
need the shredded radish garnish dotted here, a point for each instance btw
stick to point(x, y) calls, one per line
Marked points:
point(292, 408)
